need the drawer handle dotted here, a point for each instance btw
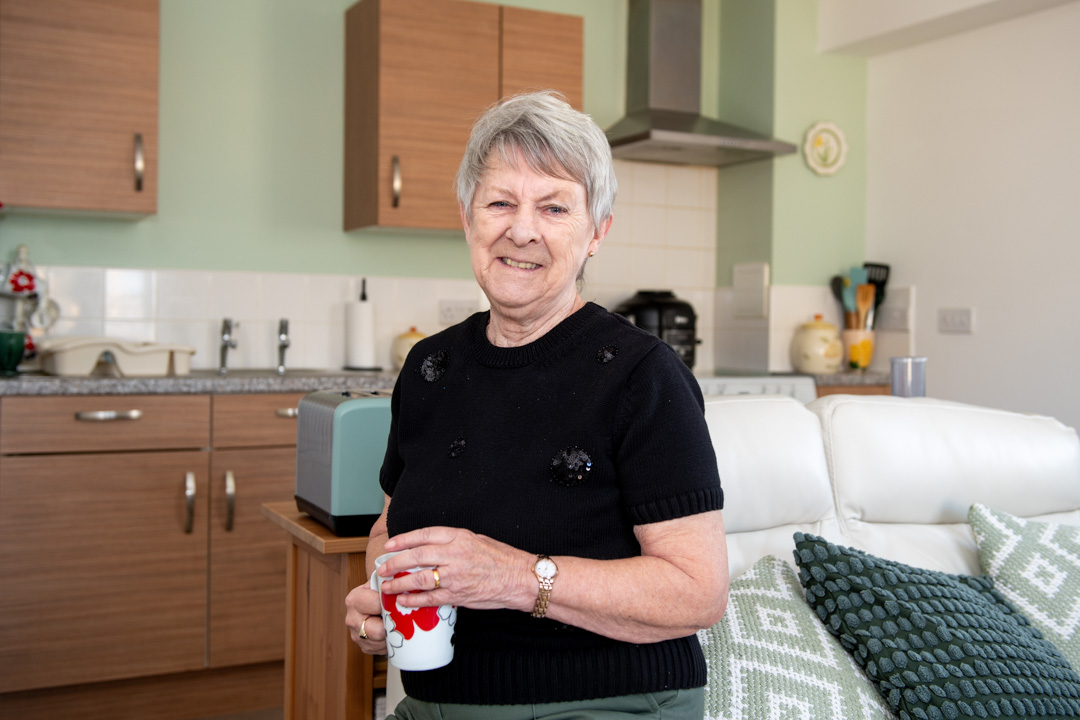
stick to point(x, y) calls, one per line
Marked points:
point(189, 497)
point(287, 413)
point(230, 499)
point(140, 162)
point(108, 415)
point(396, 182)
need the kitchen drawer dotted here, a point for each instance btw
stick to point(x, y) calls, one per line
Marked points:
point(255, 420)
point(89, 423)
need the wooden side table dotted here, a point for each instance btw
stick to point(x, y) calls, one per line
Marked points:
point(327, 677)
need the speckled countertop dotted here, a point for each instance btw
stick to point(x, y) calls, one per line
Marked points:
point(266, 381)
point(852, 378)
point(200, 382)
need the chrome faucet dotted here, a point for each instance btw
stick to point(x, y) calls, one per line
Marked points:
point(228, 340)
point(283, 343)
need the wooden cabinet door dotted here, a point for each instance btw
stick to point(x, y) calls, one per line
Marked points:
point(98, 577)
point(247, 560)
point(417, 75)
point(542, 51)
point(78, 90)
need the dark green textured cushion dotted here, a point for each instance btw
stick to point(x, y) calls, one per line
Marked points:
point(935, 645)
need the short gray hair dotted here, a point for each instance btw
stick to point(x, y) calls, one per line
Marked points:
point(555, 140)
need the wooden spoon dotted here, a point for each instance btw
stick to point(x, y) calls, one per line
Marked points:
point(864, 302)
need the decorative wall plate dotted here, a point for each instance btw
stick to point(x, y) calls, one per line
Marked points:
point(825, 148)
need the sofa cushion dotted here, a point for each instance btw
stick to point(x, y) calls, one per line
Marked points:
point(772, 465)
point(902, 465)
point(937, 645)
point(771, 656)
point(1036, 565)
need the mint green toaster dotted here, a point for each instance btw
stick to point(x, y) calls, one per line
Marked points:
point(340, 444)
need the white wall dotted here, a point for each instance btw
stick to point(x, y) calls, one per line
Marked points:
point(973, 182)
point(870, 27)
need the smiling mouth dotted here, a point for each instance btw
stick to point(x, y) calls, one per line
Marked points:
point(519, 265)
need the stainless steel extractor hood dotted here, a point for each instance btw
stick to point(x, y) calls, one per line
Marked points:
point(663, 120)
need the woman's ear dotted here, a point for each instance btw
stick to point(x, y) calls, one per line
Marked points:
point(600, 232)
point(464, 219)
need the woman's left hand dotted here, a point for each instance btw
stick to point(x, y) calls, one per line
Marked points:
point(472, 570)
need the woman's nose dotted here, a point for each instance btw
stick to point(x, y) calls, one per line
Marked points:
point(524, 228)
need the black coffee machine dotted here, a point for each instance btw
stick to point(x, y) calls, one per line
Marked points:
point(667, 317)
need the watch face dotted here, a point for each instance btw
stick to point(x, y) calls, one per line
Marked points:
point(545, 568)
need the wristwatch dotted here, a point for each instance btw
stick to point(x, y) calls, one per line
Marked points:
point(545, 570)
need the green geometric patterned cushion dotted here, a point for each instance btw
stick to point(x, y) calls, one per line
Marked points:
point(770, 657)
point(936, 645)
point(1036, 565)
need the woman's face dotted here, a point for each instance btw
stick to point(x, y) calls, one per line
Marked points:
point(528, 238)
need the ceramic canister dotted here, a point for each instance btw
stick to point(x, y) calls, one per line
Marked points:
point(816, 348)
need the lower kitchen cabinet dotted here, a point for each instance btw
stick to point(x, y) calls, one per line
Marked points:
point(133, 551)
point(103, 566)
point(247, 567)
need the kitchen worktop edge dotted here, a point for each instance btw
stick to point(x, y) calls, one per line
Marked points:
point(195, 384)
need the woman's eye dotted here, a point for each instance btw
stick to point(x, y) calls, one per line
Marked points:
point(557, 209)
point(500, 204)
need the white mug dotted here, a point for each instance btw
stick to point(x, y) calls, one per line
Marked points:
point(416, 638)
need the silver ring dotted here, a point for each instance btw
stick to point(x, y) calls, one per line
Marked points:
point(363, 632)
point(435, 572)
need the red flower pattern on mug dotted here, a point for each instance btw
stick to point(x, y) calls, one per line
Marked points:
point(426, 618)
point(21, 281)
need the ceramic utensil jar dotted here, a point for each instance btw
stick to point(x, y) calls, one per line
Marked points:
point(816, 348)
point(858, 348)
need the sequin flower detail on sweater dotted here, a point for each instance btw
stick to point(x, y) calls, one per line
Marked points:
point(571, 466)
point(435, 365)
point(606, 354)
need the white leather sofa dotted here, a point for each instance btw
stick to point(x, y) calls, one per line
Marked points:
point(892, 476)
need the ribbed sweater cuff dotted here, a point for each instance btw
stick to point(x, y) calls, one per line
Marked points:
point(692, 503)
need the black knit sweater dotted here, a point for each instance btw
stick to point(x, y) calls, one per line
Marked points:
point(558, 447)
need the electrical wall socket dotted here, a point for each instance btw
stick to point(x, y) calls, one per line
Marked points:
point(451, 312)
point(956, 320)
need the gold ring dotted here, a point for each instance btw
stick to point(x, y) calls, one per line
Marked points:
point(363, 632)
point(435, 572)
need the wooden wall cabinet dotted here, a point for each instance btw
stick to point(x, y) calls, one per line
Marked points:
point(417, 75)
point(79, 104)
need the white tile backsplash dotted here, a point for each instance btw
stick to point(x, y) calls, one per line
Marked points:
point(130, 294)
point(183, 295)
point(663, 237)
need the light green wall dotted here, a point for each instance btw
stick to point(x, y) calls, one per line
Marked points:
point(745, 191)
point(773, 80)
point(251, 126)
point(819, 223)
point(250, 166)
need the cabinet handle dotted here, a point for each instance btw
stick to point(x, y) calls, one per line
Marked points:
point(396, 198)
point(108, 415)
point(287, 412)
point(189, 496)
point(230, 499)
point(140, 162)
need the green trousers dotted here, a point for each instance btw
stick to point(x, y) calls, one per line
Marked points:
point(668, 705)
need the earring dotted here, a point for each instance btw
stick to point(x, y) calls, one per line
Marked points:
point(591, 253)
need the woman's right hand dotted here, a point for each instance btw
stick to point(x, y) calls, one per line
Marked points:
point(363, 615)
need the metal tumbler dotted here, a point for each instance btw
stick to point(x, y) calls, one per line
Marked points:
point(908, 376)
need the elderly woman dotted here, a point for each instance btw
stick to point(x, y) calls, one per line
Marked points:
point(550, 460)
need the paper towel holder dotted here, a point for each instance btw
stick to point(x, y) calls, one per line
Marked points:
point(360, 334)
